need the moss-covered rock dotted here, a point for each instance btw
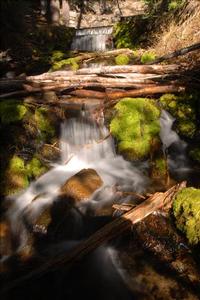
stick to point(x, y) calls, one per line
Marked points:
point(72, 62)
point(136, 127)
point(183, 110)
point(186, 210)
point(148, 57)
point(122, 59)
point(11, 111)
point(35, 168)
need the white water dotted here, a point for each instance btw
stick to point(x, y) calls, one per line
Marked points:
point(83, 146)
point(86, 144)
point(176, 156)
point(92, 39)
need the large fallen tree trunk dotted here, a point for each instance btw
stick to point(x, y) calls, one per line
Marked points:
point(142, 69)
point(106, 233)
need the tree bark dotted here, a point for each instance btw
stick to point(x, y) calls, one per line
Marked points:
point(106, 233)
point(114, 94)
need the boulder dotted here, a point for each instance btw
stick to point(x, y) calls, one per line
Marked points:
point(81, 186)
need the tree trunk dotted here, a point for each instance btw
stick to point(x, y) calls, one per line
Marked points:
point(65, 12)
point(55, 12)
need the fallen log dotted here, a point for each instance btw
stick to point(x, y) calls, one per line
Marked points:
point(11, 84)
point(90, 56)
point(146, 91)
point(88, 94)
point(117, 94)
point(109, 94)
point(143, 69)
point(106, 233)
point(51, 77)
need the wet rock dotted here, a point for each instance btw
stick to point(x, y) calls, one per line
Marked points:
point(81, 186)
point(157, 235)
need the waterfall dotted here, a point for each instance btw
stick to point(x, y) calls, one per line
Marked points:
point(174, 148)
point(84, 144)
point(93, 39)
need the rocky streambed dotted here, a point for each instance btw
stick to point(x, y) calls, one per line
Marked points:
point(152, 260)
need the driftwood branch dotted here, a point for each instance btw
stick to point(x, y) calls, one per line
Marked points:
point(106, 233)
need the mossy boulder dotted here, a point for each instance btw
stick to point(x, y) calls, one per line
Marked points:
point(136, 127)
point(122, 59)
point(183, 110)
point(11, 111)
point(186, 210)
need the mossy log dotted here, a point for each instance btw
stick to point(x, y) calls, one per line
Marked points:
point(104, 234)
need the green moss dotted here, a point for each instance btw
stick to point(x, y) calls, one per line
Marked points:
point(135, 126)
point(183, 109)
point(122, 59)
point(43, 123)
point(57, 56)
point(147, 57)
point(195, 154)
point(175, 4)
point(16, 164)
point(11, 111)
point(159, 167)
point(122, 34)
point(186, 210)
point(16, 177)
point(73, 62)
point(35, 168)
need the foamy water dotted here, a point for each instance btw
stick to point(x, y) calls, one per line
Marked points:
point(84, 144)
point(87, 144)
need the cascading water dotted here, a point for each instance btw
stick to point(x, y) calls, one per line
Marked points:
point(174, 148)
point(84, 144)
point(93, 39)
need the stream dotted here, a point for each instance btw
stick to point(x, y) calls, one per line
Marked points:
point(120, 269)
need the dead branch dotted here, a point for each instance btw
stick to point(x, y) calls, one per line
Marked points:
point(177, 53)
